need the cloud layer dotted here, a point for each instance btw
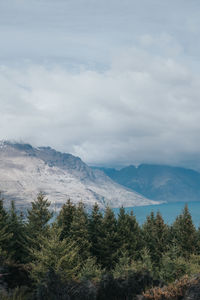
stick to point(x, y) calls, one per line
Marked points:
point(143, 109)
point(114, 83)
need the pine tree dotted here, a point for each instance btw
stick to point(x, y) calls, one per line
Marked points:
point(129, 234)
point(5, 234)
point(17, 243)
point(65, 218)
point(156, 234)
point(184, 233)
point(109, 243)
point(90, 270)
point(79, 232)
point(95, 228)
point(162, 235)
point(123, 266)
point(149, 233)
point(56, 255)
point(173, 266)
point(38, 218)
point(39, 215)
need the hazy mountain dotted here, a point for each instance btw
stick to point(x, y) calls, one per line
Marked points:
point(159, 182)
point(26, 170)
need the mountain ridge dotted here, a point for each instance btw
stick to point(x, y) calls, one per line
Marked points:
point(159, 182)
point(27, 170)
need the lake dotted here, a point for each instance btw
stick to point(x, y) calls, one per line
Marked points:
point(169, 211)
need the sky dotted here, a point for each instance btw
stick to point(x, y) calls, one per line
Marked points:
point(113, 82)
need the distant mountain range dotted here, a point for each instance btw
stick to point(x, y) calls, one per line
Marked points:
point(159, 182)
point(25, 171)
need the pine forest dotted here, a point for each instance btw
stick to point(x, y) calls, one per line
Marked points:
point(79, 255)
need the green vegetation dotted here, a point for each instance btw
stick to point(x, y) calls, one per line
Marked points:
point(92, 255)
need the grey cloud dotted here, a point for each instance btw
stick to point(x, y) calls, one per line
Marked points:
point(113, 82)
point(90, 32)
point(120, 116)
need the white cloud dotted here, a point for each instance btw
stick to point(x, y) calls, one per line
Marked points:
point(144, 108)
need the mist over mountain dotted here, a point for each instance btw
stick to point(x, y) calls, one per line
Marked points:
point(159, 182)
point(25, 171)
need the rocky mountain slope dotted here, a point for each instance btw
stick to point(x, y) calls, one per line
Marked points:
point(25, 171)
point(159, 182)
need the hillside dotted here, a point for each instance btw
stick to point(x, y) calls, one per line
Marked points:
point(26, 170)
point(159, 182)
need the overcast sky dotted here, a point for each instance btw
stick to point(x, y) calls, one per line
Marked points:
point(114, 82)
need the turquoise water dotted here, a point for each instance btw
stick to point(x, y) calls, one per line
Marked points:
point(169, 211)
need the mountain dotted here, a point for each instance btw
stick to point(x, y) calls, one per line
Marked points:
point(159, 182)
point(25, 171)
